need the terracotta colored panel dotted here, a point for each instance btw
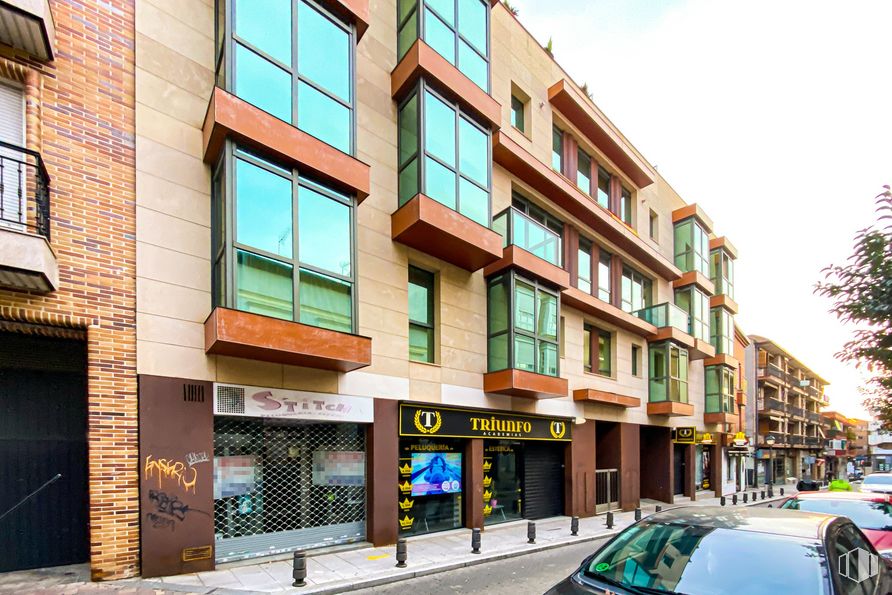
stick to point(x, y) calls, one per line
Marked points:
point(382, 448)
point(717, 472)
point(741, 398)
point(520, 383)
point(422, 60)
point(701, 350)
point(576, 109)
point(670, 408)
point(725, 244)
point(435, 229)
point(656, 454)
point(252, 336)
point(719, 418)
point(352, 11)
point(693, 210)
point(723, 301)
point(695, 278)
point(579, 472)
point(231, 117)
point(473, 478)
point(630, 466)
point(176, 431)
point(517, 258)
point(721, 359)
point(670, 333)
point(562, 192)
point(690, 460)
point(592, 306)
point(605, 398)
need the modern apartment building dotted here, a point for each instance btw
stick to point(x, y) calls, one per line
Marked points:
point(846, 445)
point(68, 410)
point(788, 397)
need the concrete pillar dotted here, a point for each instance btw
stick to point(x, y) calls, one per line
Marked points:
point(579, 472)
point(690, 469)
point(717, 476)
point(382, 475)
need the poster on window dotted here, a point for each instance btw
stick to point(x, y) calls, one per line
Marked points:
point(234, 476)
point(436, 473)
point(338, 468)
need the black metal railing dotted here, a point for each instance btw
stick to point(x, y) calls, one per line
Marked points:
point(812, 440)
point(24, 189)
point(774, 404)
point(812, 416)
point(797, 411)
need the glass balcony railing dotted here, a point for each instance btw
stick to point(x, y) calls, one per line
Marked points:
point(666, 314)
point(520, 230)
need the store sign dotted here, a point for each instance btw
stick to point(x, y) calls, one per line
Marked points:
point(685, 435)
point(254, 401)
point(431, 421)
point(705, 438)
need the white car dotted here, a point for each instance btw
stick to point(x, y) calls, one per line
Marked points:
point(877, 482)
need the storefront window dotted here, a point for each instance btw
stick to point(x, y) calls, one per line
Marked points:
point(722, 331)
point(723, 273)
point(696, 304)
point(502, 481)
point(430, 485)
point(668, 373)
point(691, 247)
point(720, 390)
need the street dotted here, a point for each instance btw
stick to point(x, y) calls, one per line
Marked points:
point(524, 575)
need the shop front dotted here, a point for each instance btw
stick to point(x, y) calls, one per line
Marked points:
point(469, 467)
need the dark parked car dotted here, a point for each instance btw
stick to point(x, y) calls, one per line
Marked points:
point(715, 551)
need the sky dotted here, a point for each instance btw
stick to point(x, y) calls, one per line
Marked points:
point(774, 115)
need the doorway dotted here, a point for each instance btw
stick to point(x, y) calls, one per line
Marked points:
point(679, 468)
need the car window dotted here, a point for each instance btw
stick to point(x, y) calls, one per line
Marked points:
point(865, 514)
point(878, 480)
point(855, 565)
point(694, 559)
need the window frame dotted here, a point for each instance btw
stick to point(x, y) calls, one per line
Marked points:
point(225, 171)
point(722, 272)
point(430, 327)
point(595, 335)
point(696, 253)
point(586, 246)
point(225, 74)
point(704, 320)
point(625, 206)
point(720, 337)
point(636, 360)
point(646, 283)
point(580, 154)
point(515, 112)
point(725, 400)
point(555, 134)
point(421, 88)
point(683, 379)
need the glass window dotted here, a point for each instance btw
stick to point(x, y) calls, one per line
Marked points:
point(264, 286)
point(600, 345)
point(323, 52)
point(603, 188)
point(722, 273)
point(636, 360)
point(691, 247)
point(625, 206)
point(421, 315)
point(262, 83)
point(584, 265)
point(325, 301)
point(605, 276)
point(636, 290)
point(720, 390)
point(517, 115)
point(439, 129)
point(324, 230)
point(323, 117)
point(263, 209)
point(584, 172)
point(722, 331)
point(668, 373)
point(654, 225)
point(557, 149)
point(408, 150)
point(265, 24)
point(696, 304)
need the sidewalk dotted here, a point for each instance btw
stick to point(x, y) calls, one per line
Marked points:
point(350, 569)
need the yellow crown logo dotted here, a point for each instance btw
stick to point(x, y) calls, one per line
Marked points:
point(406, 523)
point(487, 465)
point(406, 469)
point(487, 510)
point(424, 424)
point(406, 504)
point(487, 481)
point(557, 429)
point(406, 487)
point(487, 494)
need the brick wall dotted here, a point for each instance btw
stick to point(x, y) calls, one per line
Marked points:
point(80, 116)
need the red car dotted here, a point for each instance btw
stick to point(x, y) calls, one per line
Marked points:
point(871, 512)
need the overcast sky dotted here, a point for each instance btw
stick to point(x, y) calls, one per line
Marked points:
point(774, 115)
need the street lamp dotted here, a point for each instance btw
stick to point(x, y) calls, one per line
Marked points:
point(769, 440)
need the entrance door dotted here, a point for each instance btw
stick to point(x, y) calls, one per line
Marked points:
point(43, 433)
point(543, 484)
point(680, 468)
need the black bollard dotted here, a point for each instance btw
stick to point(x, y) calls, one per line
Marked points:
point(782, 491)
point(574, 526)
point(762, 494)
point(531, 532)
point(659, 508)
point(299, 573)
point(475, 541)
point(754, 496)
point(770, 492)
point(745, 497)
point(402, 552)
point(722, 500)
point(609, 520)
point(637, 514)
point(734, 500)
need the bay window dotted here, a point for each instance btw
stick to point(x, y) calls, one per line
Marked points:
point(696, 304)
point(720, 390)
point(691, 247)
point(458, 30)
point(444, 154)
point(668, 373)
point(294, 60)
point(283, 244)
point(522, 325)
point(722, 273)
point(722, 331)
point(636, 290)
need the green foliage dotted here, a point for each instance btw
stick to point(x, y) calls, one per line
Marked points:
point(512, 9)
point(861, 292)
point(549, 47)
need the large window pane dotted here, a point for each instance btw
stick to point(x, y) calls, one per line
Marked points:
point(263, 209)
point(445, 8)
point(603, 188)
point(439, 183)
point(548, 359)
point(548, 316)
point(324, 232)
point(260, 82)
point(325, 302)
point(584, 172)
point(604, 353)
point(474, 202)
point(421, 343)
point(264, 286)
point(587, 348)
point(473, 153)
point(323, 117)
point(440, 37)
point(408, 135)
point(497, 352)
point(407, 34)
point(439, 129)
point(524, 307)
point(557, 150)
point(408, 182)
point(498, 307)
point(473, 66)
point(524, 353)
point(605, 274)
point(323, 51)
point(266, 24)
point(584, 258)
point(472, 22)
point(421, 296)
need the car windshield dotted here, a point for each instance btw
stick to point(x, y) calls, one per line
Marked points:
point(865, 514)
point(878, 479)
point(694, 559)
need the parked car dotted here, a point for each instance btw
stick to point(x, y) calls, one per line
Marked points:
point(877, 482)
point(715, 550)
point(871, 512)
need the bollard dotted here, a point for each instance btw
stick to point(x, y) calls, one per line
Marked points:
point(659, 508)
point(299, 573)
point(754, 496)
point(609, 520)
point(745, 497)
point(762, 494)
point(531, 532)
point(402, 552)
point(637, 514)
point(770, 492)
point(574, 526)
point(734, 500)
point(475, 541)
point(722, 500)
point(782, 491)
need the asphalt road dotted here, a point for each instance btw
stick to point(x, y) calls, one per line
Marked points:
point(532, 574)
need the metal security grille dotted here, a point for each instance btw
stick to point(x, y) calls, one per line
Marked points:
point(606, 489)
point(280, 486)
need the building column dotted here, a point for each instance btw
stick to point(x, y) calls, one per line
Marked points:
point(690, 488)
point(629, 465)
point(382, 444)
point(717, 473)
point(579, 471)
point(473, 480)
point(657, 474)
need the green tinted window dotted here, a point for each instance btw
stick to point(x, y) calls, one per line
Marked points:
point(263, 209)
point(262, 83)
point(457, 30)
point(324, 232)
point(323, 52)
point(325, 302)
point(421, 315)
point(264, 286)
point(265, 24)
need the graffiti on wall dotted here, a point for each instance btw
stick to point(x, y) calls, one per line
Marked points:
point(170, 471)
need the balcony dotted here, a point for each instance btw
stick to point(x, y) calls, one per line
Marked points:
point(670, 409)
point(28, 25)
point(242, 334)
point(601, 397)
point(27, 261)
point(796, 440)
point(529, 247)
point(674, 324)
point(796, 412)
point(770, 404)
point(521, 383)
point(772, 372)
point(813, 417)
point(435, 229)
point(813, 441)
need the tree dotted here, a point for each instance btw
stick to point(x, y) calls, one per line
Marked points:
point(861, 291)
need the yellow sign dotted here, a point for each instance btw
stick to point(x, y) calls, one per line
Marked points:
point(685, 435)
point(406, 522)
point(704, 438)
point(487, 465)
point(487, 481)
point(406, 487)
point(487, 510)
point(557, 429)
point(431, 423)
point(487, 494)
point(407, 504)
point(406, 469)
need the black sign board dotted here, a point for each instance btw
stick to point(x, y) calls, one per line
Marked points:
point(686, 435)
point(434, 421)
